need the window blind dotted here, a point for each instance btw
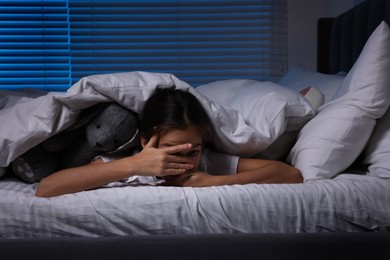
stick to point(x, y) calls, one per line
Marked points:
point(34, 45)
point(199, 41)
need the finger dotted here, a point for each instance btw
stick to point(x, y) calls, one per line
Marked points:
point(153, 142)
point(178, 166)
point(178, 148)
point(179, 159)
point(174, 172)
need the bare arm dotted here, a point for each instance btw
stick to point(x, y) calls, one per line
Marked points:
point(266, 171)
point(82, 178)
point(248, 171)
point(150, 161)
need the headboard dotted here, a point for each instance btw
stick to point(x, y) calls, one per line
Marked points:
point(341, 39)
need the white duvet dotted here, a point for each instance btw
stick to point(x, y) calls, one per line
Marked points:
point(248, 116)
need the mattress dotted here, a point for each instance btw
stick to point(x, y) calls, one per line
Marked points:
point(348, 203)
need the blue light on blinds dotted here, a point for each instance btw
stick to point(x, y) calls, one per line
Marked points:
point(199, 41)
point(34, 45)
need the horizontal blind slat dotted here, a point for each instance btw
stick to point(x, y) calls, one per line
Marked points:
point(34, 44)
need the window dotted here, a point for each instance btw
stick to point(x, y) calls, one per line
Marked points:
point(52, 44)
point(34, 45)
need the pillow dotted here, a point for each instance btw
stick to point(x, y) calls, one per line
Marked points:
point(334, 138)
point(377, 152)
point(270, 109)
point(299, 77)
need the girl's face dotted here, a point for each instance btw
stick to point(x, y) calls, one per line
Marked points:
point(190, 135)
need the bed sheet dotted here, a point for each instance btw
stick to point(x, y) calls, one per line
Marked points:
point(348, 203)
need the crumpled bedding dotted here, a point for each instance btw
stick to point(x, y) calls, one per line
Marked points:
point(28, 120)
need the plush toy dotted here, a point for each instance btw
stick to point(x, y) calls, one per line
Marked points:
point(100, 129)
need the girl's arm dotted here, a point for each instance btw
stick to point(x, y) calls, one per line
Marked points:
point(150, 161)
point(82, 178)
point(248, 171)
point(266, 171)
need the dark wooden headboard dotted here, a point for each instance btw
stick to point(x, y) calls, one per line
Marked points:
point(341, 39)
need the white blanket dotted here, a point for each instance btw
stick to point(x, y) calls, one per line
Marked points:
point(26, 122)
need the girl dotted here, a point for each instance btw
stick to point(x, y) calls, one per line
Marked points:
point(175, 130)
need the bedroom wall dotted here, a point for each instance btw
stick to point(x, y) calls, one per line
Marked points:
point(302, 27)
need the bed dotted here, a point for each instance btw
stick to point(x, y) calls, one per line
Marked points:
point(341, 210)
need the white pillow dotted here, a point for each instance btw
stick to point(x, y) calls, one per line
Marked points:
point(267, 107)
point(333, 139)
point(298, 77)
point(377, 152)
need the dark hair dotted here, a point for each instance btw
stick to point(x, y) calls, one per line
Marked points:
point(171, 108)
